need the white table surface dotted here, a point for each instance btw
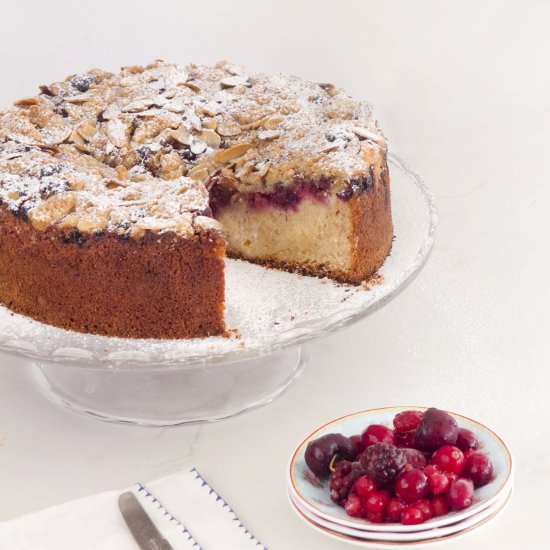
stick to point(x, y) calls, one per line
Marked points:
point(462, 91)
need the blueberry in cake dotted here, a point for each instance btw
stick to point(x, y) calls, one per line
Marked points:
point(121, 194)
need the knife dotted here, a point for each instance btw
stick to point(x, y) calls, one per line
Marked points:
point(140, 525)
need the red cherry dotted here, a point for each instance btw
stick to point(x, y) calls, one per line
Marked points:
point(407, 421)
point(358, 444)
point(439, 483)
point(394, 509)
point(440, 506)
point(479, 469)
point(412, 516)
point(449, 459)
point(412, 485)
point(364, 486)
point(461, 494)
point(377, 433)
point(426, 508)
point(375, 517)
point(377, 501)
point(353, 505)
point(431, 469)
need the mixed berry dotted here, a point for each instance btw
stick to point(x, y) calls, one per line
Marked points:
point(422, 467)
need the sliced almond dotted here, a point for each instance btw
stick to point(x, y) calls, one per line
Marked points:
point(211, 138)
point(55, 134)
point(225, 155)
point(52, 210)
point(93, 221)
point(267, 135)
point(234, 81)
point(330, 89)
point(190, 85)
point(197, 146)
point(209, 123)
point(26, 102)
point(137, 105)
point(363, 133)
point(228, 129)
point(87, 129)
point(78, 99)
point(272, 122)
point(198, 172)
point(117, 132)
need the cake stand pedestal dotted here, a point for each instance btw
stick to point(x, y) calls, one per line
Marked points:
point(274, 314)
point(158, 396)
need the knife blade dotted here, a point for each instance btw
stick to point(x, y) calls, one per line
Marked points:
point(143, 530)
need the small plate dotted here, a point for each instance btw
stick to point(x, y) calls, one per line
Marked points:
point(317, 500)
point(426, 534)
point(381, 544)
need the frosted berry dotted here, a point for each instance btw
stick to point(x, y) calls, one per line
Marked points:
point(382, 463)
point(353, 505)
point(412, 515)
point(376, 433)
point(394, 509)
point(340, 482)
point(461, 494)
point(407, 421)
point(377, 501)
point(364, 486)
point(438, 482)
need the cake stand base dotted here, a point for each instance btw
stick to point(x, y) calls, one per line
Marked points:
point(171, 397)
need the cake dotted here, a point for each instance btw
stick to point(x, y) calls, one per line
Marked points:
point(122, 194)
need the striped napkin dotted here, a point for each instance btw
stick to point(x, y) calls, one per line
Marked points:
point(186, 510)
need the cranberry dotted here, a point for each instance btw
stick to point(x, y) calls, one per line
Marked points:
point(405, 439)
point(358, 444)
point(377, 501)
point(340, 482)
point(412, 515)
point(439, 483)
point(376, 433)
point(353, 505)
point(375, 517)
point(412, 486)
point(415, 458)
point(449, 458)
point(440, 506)
point(451, 476)
point(394, 509)
point(431, 469)
point(364, 486)
point(437, 428)
point(382, 462)
point(479, 469)
point(320, 452)
point(426, 508)
point(466, 440)
point(407, 421)
point(461, 494)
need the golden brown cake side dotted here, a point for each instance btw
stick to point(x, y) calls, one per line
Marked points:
point(160, 286)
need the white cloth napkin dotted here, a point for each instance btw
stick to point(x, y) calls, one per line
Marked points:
point(185, 509)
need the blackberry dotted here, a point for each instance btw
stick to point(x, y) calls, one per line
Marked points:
point(340, 482)
point(82, 82)
point(382, 462)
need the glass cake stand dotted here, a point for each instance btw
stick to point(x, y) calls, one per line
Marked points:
point(275, 314)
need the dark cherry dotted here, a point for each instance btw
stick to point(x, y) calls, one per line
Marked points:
point(437, 428)
point(382, 463)
point(321, 452)
point(376, 433)
point(407, 421)
point(479, 469)
point(461, 494)
point(466, 440)
point(358, 444)
point(412, 486)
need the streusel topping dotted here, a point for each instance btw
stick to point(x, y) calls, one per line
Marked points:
point(136, 151)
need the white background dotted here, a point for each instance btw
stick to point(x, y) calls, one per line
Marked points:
point(462, 91)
